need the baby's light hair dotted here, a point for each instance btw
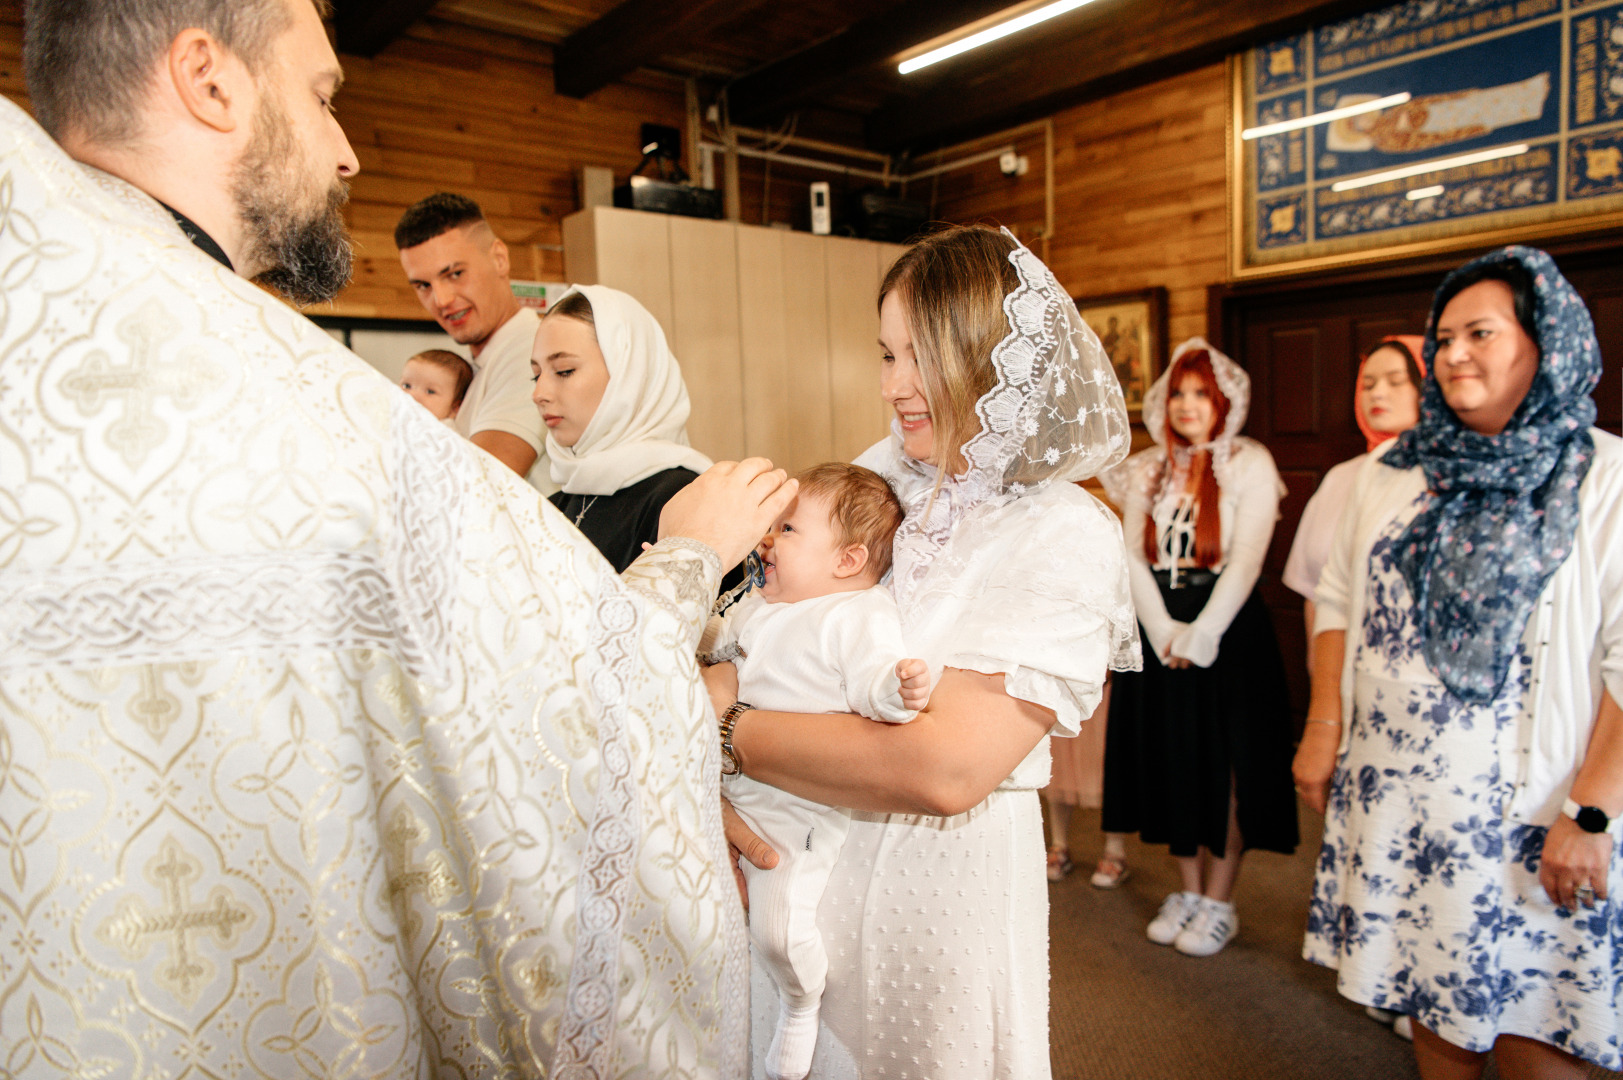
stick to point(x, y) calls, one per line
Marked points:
point(446, 360)
point(862, 508)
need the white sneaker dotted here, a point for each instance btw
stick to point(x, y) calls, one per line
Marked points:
point(1176, 911)
point(1403, 1028)
point(1211, 927)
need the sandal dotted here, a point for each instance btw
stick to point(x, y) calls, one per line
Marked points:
point(1059, 863)
point(1111, 872)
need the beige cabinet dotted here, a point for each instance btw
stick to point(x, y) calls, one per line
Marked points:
point(777, 332)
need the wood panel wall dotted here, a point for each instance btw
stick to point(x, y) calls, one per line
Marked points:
point(448, 107)
point(1140, 194)
point(776, 331)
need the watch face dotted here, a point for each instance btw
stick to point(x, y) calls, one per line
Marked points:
point(1592, 819)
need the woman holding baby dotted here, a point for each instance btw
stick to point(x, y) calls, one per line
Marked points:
point(1011, 582)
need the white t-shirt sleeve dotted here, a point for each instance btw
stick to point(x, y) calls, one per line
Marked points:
point(504, 403)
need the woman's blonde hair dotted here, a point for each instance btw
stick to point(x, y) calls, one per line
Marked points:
point(951, 286)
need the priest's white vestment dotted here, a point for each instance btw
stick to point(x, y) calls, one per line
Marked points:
point(327, 747)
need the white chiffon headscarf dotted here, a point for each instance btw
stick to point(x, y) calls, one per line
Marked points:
point(640, 427)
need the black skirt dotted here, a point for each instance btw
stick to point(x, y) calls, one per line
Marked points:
point(1177, 737)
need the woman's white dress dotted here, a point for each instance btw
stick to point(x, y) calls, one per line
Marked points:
point(937, 928)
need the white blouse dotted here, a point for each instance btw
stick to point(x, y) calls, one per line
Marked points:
point(1575, 634)
point(1317, 529)
point(1248, 509)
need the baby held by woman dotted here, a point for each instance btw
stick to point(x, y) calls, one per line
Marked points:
point(821, 635)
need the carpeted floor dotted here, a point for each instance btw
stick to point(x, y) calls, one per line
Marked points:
point(1124, 1009)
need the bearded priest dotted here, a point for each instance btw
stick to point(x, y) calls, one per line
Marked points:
point(327, 746)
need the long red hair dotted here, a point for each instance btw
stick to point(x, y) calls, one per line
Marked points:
point(1208, 527)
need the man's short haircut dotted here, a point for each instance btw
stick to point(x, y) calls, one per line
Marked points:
point(862, 508)
point(446, 360)
point(89, 63)
point(439, 213)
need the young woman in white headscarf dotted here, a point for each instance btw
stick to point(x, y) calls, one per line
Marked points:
point(1198, 749)
point(612, 397)
point(1012, 584)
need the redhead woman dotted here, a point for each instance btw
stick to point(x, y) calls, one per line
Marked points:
point(1386, 403)
point(1199, 745)
point(1464, 727)
point(1012, 583)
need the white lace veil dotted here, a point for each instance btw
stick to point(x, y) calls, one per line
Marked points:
point(1149, 466)
point(1055, 414)
point(1231, 380)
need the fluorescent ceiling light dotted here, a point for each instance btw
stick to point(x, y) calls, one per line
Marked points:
point(1325, 117)
point(1430, 166)
point(991, 33)
point(1424, 193)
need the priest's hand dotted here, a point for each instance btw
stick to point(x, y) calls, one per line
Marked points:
point(730, 507)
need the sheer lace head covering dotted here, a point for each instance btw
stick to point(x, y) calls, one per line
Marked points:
point(640, 427)
point(1165, 468)
point(1414, 347)
point(1504, 508)
point(1232, 382)
point(1054, 414)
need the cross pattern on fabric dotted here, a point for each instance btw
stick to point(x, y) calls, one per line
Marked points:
point(430, 878)
point(184, 379)
point(135, 926)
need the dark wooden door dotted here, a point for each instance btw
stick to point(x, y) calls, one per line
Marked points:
point(1301, 346)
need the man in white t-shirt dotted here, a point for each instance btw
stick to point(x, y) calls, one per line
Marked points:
point(459, 270)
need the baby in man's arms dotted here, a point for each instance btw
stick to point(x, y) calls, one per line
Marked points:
point(822, 635)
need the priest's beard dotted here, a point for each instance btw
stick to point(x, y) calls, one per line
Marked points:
point(306, 249)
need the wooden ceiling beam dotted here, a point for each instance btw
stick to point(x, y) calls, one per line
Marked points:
point(799, 78)
point(1103, 51)
point(364, 27)
point(635, 33)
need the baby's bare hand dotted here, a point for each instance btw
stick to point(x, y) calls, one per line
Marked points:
point(915, 679)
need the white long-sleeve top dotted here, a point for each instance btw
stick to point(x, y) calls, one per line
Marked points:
point(1575, 634)
point(1317, 529)
point(830, 654)
point(1248, 509)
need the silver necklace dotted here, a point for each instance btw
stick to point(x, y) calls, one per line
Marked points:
point(585, 508)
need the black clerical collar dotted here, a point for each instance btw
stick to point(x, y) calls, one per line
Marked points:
point(194, 232)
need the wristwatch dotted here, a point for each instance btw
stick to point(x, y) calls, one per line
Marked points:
point(729, 759)
point(1591, 819)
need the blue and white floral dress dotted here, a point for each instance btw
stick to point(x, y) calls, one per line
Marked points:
point(1427, 898)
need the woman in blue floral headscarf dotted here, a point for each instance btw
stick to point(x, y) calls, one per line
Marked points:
point(1470, 630)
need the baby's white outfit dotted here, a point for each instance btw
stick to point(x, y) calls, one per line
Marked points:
point(833, 654)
